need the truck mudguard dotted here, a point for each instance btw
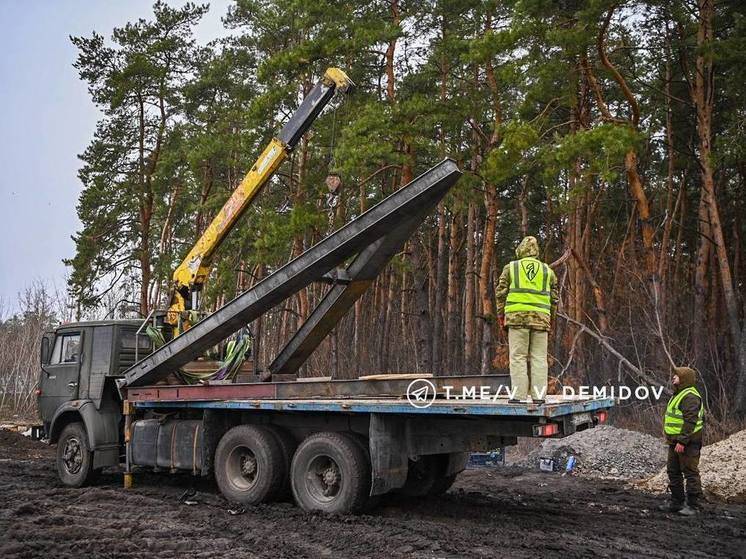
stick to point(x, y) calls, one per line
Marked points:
point(101, 425)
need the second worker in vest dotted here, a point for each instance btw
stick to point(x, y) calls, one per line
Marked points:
point(682, 424)
point(527, 295)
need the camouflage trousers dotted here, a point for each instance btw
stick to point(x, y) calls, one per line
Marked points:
point(684, 467)
point(528, 346)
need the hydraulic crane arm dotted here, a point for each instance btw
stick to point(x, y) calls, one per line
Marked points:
point(373, 236)
point(190, 276)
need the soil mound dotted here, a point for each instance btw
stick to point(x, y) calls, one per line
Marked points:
point(13, 444)
point(604, 452)
point(722, 467)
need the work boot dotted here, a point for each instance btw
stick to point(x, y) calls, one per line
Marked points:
point(686, 510)
point(671, 506)
point(517, 401)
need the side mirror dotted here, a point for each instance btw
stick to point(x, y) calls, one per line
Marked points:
point(44, 353)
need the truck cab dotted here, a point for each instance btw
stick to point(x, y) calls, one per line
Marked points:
point(78, 400)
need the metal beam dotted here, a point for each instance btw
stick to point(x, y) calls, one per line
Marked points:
point(304, 116)
point(334, 80)
point(426, 190)
point(341, 297)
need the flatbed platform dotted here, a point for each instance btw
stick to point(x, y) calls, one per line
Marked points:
point(555, 406)
point(310, 388)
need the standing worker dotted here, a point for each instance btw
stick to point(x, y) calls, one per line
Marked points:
point(527, 296)
point(682, 425)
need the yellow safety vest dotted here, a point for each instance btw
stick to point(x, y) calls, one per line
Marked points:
point(673, 423)
point(529, 287)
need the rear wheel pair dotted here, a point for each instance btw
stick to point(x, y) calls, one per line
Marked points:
point(329, 471)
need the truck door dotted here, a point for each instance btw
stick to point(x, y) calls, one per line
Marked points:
point(61, 375)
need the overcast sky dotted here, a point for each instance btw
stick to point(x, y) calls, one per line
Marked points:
point(46, 120)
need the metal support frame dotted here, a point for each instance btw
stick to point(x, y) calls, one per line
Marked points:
point(357, 277)
point(391, 221)
point(139, 333)
point(127, 410)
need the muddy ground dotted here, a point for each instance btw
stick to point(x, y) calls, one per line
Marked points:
point(504, 513)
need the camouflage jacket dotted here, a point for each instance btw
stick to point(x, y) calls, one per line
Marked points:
point(533, 320)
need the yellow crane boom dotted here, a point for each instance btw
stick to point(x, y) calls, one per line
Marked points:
point(189, 278)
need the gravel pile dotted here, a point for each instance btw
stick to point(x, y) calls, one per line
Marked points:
point(722, 467)
point(604, 452)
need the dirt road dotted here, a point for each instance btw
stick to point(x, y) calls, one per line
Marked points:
point(511, 513)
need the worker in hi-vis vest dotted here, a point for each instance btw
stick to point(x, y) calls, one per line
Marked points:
point(683, 422)
point(527, 296)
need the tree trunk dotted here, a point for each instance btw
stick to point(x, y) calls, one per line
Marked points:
point(424, 325)
point(634, 180)
point(385, 280)
point(485, 293)
point(701, 280)
point(643, 214)
point(146, 212)
point(522, 209)
point(441, 267)
point(390, 53)
point(664, 255)
point(453, 313)
point(470, 340)
point(704, 100)
point(598, 294)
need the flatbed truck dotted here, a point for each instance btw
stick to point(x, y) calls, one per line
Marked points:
point(334, 445)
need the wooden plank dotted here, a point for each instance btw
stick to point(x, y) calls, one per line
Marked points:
point(402, 376)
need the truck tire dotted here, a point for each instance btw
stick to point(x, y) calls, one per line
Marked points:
point(74, 456)
point(287, 444)
point(330, 473)
point(373, 500)
point(248, 465)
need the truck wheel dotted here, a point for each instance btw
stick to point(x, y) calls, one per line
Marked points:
point(248, 465)
point(373, 500)
point(287, 444)
point(330, 473)
point(74, 456)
